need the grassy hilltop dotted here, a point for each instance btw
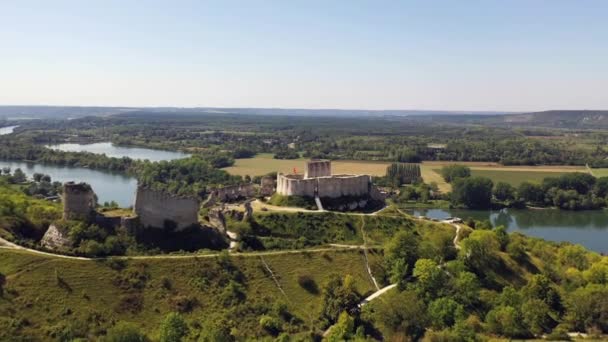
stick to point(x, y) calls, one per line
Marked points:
point(489, 279)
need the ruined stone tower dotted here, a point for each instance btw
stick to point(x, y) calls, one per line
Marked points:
point(78, 201)
point(317, 168)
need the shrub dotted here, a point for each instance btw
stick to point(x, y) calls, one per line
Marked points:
point(124, 332)
point(270, 324)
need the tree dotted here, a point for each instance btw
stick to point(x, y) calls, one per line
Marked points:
point(478, 251)
point(400, 255)
point(506, 321)
point(574, 256)
point(540, 287)
point(398, 314)
point(173, 328)
point(19, 176)
point(504, 192)
point(531, 193)
point(339, 296)
point(466, 289)
point(601, 187)
point(587, 307)
point(474, 193)
point(536, 315)
point(343, 330)
point(37, 176)
point(46, 178)
point(430, 279)
point(444, 312)
point(452, 172)
point(124, 332)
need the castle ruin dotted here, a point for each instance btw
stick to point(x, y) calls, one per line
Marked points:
point(318, 181)
point(78, 201)
point(159, 209)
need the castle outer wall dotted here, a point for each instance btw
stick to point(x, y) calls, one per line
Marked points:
point(154, 208)
point(333, 186)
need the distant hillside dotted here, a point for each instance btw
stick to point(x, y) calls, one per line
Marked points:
point(63, 112)
point(558, 119)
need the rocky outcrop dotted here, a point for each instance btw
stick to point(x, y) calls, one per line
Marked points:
point(56, 238)
point(159, 209)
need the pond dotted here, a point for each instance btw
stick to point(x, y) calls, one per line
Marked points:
point(111, 150)
point(7, 130)
point(588, 228)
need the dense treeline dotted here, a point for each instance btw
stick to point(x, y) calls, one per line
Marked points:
point(403, 173)
point(189, 176)
point(393, 139)
point(572, 191)
point(478, 292)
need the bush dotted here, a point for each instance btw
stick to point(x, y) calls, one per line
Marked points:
point(173, 328)
point(124, 332)
point(270, 324)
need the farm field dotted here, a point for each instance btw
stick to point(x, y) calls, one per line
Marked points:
point(264, 163)
point(513, 175)
point(603, 172)
point(515, 178)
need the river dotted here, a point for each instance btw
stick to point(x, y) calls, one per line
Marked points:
point(108, 186)
point(588, 228)
point(7, 130)
point(111, 150)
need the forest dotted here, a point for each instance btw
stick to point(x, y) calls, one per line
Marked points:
point(387, 138)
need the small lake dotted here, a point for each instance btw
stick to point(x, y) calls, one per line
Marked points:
point(7, 130)
point(588, 228)
point(111, 150)
point(108, 186)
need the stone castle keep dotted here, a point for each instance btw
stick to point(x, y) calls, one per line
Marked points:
point(78, 201)
point(319, 181)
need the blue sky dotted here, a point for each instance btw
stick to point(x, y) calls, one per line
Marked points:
point(452, 55)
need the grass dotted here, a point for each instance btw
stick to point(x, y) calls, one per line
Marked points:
point(264, 163)
point(603, 172)
point(514, 175)
point(56, 294)
point(515, 178)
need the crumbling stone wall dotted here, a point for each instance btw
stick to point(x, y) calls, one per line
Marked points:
point(157, 209)
point(230, 193)
point(78, 201)
point(267, 186)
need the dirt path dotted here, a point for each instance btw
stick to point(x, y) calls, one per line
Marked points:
point(258, 205)
point(369, 269)
point(332, 247)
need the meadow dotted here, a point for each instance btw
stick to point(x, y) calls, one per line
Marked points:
point(514, 175)
point(58, 296)
point(264, 163)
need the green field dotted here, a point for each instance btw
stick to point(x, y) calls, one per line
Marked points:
point(264, 163)
point(600, 172)
point(515, 177)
